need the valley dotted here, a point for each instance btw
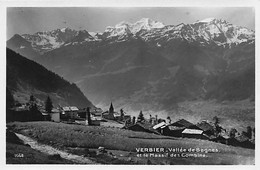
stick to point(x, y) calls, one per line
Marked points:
point(141, 84)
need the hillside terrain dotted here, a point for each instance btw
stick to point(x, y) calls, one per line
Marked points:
point(26, 77)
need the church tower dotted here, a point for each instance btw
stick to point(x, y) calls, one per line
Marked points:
point(111, 112)
point(111, 109)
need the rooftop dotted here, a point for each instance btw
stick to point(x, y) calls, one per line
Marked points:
point(182, 122)
point(70, 108)
point(159, 125)
point(205, 126)
point(192, 131)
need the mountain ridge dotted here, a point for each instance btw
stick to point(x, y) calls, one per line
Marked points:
point(155, 69)
point(214, 30)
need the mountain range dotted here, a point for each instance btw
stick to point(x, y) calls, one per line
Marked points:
point(149, 65)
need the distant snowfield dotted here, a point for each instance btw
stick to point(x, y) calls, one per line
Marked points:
point(205, 31)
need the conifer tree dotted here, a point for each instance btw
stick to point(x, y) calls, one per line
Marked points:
point(140, 116)
point(48, 105)
point(32, 104)
point(32, 99)
point(35, 114)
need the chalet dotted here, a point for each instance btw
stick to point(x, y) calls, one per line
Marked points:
point(175, 129)
point(207, 128)
point(243, 141)
point(117, 115)
point(96, 114)
point(55, 115)
point(94, 122)
point(22, 107)
point(82, 113)
point(143, 127)
point(45, 116)
point(94, 118)
point(193, 133)
point(183, 123)
point(160, 126)
point(96, 110)
point(220, 139)
point(70, 112)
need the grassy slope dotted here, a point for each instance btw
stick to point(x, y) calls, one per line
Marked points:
point(31, 156)
point(63, 135)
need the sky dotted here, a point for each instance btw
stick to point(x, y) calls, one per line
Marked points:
point(29, 20)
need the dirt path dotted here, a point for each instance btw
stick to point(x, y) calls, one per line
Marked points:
point(50, 150)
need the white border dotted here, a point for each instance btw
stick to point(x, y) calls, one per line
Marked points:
point(119, 3)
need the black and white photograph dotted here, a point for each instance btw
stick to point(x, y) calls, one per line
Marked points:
point(130, 85)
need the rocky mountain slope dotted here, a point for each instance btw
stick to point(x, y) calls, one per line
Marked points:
point(25, 78)
point(148, 65)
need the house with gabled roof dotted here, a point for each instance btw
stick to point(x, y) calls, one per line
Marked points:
point(220, 139)
point(207, 127)
point(55, 115)
point(243, 141)
point(160, 126)
point(143, 127)
point(175, 129)
point(193, 133)
point(69, 112)
point(182, 123)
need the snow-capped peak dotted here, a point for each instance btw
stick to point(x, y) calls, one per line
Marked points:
point(146, 24)
point(222, 32)
point(124, 28)
point(93, 34)
point(150, 23)
point(212, 21)
point(206, 31)
point(63, 29)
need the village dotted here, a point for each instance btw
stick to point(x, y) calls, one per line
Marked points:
point(181, 128)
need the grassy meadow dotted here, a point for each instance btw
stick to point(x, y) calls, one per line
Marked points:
point(67, 137)
point(30, 156)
